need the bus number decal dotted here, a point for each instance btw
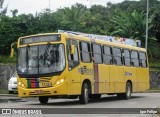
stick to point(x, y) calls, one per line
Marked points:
point(46, 84)
point(128, 74)
point(85, 70)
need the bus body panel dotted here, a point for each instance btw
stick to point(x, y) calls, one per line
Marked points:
point(75, 81)
point(104, 77)
point(143, 81)
point(112, 79)
point(120, 80)
point(131, 74)
point(87, 73)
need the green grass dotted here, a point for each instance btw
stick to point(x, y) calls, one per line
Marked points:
point(7, 59)
point(3, 91)
point(154, 63)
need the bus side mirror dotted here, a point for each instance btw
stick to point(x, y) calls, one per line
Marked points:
point(12, 49)
point(72, 49)
point(12, 52)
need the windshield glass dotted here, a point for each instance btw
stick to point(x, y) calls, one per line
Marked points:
point(41, 59)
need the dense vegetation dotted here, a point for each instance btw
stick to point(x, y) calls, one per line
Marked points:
point(126, 19)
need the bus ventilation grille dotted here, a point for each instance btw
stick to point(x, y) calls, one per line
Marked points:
point(44, 92)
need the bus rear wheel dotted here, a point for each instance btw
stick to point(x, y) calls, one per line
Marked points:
point(43, 100)
point(84, 94)
point(127, 94)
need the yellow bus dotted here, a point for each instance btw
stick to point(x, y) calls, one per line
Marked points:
point(60, 65)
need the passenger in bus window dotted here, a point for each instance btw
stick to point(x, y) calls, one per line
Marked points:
point(41, 61)
point(93, 59)
point(114, 61)
point(33, 62)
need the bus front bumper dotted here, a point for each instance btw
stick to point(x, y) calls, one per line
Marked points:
point(58, 90)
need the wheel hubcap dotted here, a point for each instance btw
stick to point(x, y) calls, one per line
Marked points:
point(86, 94)
point(128, 91)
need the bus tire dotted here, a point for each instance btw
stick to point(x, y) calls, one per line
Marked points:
point(95, 96)
point(43, 99)
point(127, 94)
point(84, 94)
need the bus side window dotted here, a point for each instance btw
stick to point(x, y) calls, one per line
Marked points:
point(117, 56)
point(143, 61)
point(107, 55)
point(72, 58)
point(134, 57)
point(85, 52)
point(97, 53)
point(127, 57)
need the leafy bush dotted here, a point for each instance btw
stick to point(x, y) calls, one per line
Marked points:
point(7, 59)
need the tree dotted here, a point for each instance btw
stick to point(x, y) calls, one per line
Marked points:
point(98, 19)
point(3, 10)
point(14, 12)
point(154, 8)
point(71, 18)
point(134, 26)
point(47, 21)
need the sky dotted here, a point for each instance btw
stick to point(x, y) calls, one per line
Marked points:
point(33, 6)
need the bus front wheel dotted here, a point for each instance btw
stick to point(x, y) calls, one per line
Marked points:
point(43, 100)
point(84, 94)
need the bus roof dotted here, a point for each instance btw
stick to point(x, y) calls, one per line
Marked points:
point(83, 38)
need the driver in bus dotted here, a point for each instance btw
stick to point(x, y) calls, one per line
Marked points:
point(53, 56)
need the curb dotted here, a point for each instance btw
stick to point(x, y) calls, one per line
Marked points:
point(9, 95)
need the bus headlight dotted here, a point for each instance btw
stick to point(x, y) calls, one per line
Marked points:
point(21, 84)
point(57, 82)
point(60, 81)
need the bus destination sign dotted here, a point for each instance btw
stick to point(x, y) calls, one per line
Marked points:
point(42, 38)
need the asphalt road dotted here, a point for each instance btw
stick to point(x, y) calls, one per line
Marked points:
point(69, 106)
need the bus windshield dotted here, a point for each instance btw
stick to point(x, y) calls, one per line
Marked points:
point(41, 59)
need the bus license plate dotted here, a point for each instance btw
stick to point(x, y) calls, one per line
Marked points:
point(38, 91)
point(46, 84)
